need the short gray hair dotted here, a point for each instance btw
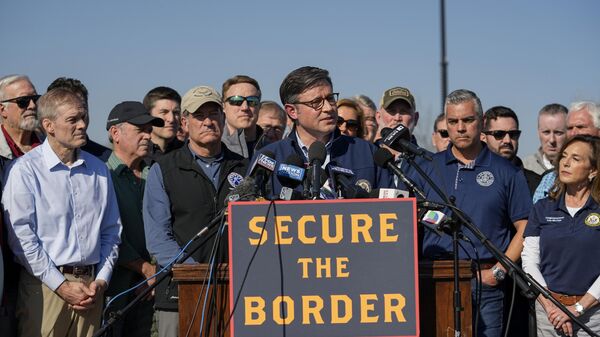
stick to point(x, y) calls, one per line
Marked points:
point(464, 95)
point(49, 103)
point(592, 108)
point(8, 80)
point(366, 101)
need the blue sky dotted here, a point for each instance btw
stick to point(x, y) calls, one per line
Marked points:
point(521, 54)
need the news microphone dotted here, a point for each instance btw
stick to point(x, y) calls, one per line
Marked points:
point(384, 158)
point(261, 169)
point(316, 157)
point(339, 176)
point(307, 184)
point(388, 193)
point(398, 139)
point(291, 174)
point(245, 191)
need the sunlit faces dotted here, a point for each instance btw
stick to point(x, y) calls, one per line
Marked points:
point(580, 123)
point(68, 129)
point(169, 111)
point(370, 123)
point(132, 140)
point(272, 124)
point(440, 138)
point(575, 164)
point(464, 126)
point(399, 112)
point(552, 131)
point(16, 117)
point(244, 115)
point(502, 137)
point(348, 120)
point(205, 125)
point(317, 123)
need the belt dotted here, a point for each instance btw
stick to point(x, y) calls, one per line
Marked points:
point(77, 271)
point(565, 299)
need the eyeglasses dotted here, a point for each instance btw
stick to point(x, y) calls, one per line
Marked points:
point(443, 133)
point(239, 100)
point(23, 101)
point(351, 124)
point(318, 103)
point(500, 134)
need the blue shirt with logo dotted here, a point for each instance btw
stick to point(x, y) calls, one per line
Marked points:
point(490, 190)
point(569, 246)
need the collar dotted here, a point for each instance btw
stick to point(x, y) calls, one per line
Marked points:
point(218, 158)
point(304, 148)
point(560, 203)
point(483, 158)
point(52, 160)
point(115, 163)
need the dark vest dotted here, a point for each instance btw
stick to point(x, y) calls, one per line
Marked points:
point(194, 203)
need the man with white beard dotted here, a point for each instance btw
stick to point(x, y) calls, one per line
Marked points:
point(18, 110)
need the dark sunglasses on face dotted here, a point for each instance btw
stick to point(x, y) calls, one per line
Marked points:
point(23, 101)
point(500, 134)
point(239, 100)
point(351, 124)
point(443, 133)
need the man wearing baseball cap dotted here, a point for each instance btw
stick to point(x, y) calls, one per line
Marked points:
point(185, 190)
point(129, 128)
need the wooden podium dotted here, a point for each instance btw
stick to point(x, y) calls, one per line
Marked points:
point(192, 281)
point(436, 288)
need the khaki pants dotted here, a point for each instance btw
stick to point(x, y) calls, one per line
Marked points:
point(41, 312)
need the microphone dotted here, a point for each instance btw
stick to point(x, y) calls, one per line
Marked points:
point(388, 193)
point(246, 189)
point(291, 175)
point(261, 169)
point(398, 139)
point(307, 183)
point(339, 177)
point(316, 157)
point(384, 158)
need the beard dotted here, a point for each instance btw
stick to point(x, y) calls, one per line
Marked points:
point(29, 124)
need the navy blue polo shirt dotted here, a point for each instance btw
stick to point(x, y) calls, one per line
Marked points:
point(569, 246)
point(490, 190)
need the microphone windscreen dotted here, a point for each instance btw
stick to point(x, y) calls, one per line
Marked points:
point(243, 191)
point(382, 156)
point(317, 151)
point(385, 132)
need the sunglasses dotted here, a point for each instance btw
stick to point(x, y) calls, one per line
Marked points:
point(23, 101)
point(500, 134)
point(239, 100)
point(443, 133)
point(351, 124)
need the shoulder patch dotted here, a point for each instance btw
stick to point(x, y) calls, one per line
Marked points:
point(485, 178)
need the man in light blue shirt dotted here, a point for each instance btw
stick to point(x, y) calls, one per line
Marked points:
point(63, 224)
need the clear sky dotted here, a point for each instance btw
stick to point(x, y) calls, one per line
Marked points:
point(521, 54)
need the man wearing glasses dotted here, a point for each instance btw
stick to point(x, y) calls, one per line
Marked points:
point(308, 98)
point(18, 107)
point(439, 137)
point(501, 130)
point(241, 102)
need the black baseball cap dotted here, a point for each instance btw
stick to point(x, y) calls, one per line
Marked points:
point(132, 112)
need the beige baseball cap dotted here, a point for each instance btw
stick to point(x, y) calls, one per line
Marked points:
point(198, 96)
point(396, 93)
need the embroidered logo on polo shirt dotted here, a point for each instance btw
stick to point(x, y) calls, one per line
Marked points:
point(485, 178)
point(555, 218)
point(234, 179)
point(593, 220)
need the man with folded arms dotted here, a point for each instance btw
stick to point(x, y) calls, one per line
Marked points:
point(63, 224)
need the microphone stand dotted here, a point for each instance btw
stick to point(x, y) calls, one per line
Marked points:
point(119, 314)
point(528, 285)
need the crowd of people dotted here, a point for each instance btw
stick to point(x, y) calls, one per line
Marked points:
point(82, 223)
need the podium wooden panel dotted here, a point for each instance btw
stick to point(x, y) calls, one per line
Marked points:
point(192, 280)
point(436, 287)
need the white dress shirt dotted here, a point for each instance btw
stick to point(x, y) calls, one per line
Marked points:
point(61, 215)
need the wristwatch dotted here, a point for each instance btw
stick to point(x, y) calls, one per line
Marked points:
point(579, 308)
point(498, 273)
